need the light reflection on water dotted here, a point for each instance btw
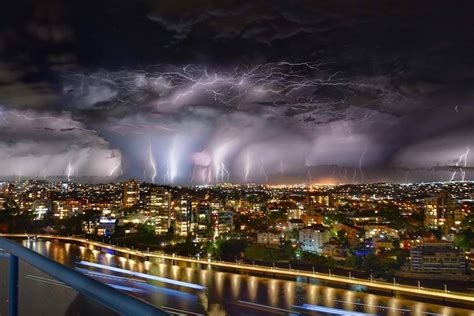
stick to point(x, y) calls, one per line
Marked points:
point(228, 293)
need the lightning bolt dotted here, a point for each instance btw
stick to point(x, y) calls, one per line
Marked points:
point(152, 163)
point(224, 171)
point(247, 165)
point(308, 171)
point(362, 176)
point(354, 175)
point(263, 171)
point(459, 163)
point(282, 167)
point(177, 83)
point(69, 170)
point(115, 168)
point(193, 174)
point(172, 163)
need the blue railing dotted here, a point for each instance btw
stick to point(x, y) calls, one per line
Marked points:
point(116, 300)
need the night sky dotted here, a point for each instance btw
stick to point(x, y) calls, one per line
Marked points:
point(191, 92)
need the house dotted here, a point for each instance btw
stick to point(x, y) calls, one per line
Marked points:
point(295, 224)
point(335, 249)
point(313, 238)
point(437, 257)
point(270, 239)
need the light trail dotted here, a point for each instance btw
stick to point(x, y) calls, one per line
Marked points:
point(137, 282)
point(329, 310)
point(109, 276)
point(180, 311)
point(143, 275)
point(377, 306)
point(46, 280)
point(125, 288)
point(267, 307)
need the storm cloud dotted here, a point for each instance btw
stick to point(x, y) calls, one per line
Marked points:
point(221, 91)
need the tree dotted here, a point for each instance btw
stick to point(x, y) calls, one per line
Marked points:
point(287, 250)
point(436, 232)
point(229, 250)
point(262, 253)
point(465, 239)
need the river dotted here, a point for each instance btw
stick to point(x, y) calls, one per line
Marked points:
point(201, 290)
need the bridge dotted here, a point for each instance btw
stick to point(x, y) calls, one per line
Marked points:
point(419, 291)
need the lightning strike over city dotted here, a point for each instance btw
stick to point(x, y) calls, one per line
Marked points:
point(236, 157)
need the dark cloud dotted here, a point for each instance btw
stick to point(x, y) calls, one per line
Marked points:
point(293, 90)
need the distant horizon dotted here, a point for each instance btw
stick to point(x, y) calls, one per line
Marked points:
point(122, 180)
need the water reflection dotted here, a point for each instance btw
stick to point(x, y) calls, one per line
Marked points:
point(226, 290)
point(252, 283)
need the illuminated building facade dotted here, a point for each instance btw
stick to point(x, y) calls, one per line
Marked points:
point(131, 193)
point(158, 206)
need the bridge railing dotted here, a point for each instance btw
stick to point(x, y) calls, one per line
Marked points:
point(106, 295)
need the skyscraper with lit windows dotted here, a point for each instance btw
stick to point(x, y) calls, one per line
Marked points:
point(131, 193)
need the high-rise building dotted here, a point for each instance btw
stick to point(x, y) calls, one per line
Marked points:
point(158, 206)
point(312, 239)
point(203, 221)
point(64, 208)
point(315, 198)
point(183, 216)
point(225, 222)
point(437, 209)
point(2, 203)
point(40, 208)
point(437, 257)
point(131, 193)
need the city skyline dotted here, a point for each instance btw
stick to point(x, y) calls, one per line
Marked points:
point(171, 94)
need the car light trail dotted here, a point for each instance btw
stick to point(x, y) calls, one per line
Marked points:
point(143, 275)
point(125, 288)
point(329, 310)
